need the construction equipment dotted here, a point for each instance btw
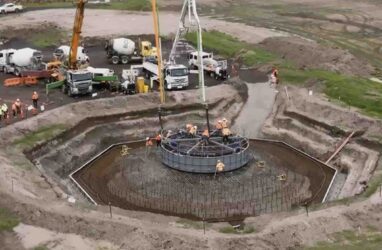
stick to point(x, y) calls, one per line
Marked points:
point(189, 7)
point(21, 60)
point(77, 81)
point(213, 68)
point(123, 50)
point(62, 54)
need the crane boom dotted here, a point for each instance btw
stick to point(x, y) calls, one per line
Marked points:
point(189, 6)
point(77, 27)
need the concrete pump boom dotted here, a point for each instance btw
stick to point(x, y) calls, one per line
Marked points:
point(76, 34)
point(189, 6)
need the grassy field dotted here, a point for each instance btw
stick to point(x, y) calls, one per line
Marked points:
point(362, 93)
point(136, 5)
point(7, 220)
point(48, 38)
point(43, 134)
point(227, 46)
point(350, 240)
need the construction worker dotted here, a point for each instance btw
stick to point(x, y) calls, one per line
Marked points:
point(18, 107)
point(193, 131)
point(219, 167)
point(35, 99)
point(224, 123)
point(4, 108)
point(158, 139)
point(219, 127)
point(149, 144)
point(205, 137)
point(226, 133)
point(274, 76)
point(1, 114)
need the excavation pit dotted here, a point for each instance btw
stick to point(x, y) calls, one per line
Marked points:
point(277, 178)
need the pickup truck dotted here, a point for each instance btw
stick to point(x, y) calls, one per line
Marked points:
point(10, 7)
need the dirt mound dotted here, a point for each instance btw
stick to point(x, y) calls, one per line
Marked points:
point(311, 55)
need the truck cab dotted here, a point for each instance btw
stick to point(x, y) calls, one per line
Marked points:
point(4, 58)
point(176, 76)
point(78, 82)
point(193, 60)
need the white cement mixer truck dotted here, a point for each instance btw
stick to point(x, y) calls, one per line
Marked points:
point(62, 54)
point(22, 60)
point(123, 50)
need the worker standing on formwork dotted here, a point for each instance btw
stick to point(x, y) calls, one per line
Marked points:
point(219, 127)
point(205, 137)
point(192, 131)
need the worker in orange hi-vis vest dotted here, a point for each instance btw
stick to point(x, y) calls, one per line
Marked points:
point(35, 99)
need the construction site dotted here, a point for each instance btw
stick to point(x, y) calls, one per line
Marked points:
point(185, 124)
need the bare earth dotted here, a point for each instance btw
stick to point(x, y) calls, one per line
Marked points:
point(107, 23)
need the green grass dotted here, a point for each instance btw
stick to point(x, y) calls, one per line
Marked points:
point(231, 230)
point(191, 224)
point(41, 135)
point(7, 220)
point(350, 240)
point(358, 92)
point(41, 248)
point(49, 38)
point(228, 46)
point(136, 5)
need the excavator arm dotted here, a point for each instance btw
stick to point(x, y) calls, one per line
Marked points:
point(76, 34)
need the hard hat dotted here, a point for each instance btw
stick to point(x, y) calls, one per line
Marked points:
point(17, 100)
point(224, 119)
point(219, 161)
point(147, 138)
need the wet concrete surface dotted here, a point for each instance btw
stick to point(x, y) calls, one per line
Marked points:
point(139, 181)
point(261, 98)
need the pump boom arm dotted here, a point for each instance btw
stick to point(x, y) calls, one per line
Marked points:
point(77, 27)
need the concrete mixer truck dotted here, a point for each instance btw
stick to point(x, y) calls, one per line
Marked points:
point(123, 50)
point(62, 54)
point(20, 61)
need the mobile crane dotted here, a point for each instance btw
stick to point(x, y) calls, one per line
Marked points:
point(78, 81)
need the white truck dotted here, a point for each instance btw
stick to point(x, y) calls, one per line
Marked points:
point(10, 7)
point(123, 50)
point(21, 60)
point(213, 68)
point(62, 54)
point(175, 75)
point(78, 82)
